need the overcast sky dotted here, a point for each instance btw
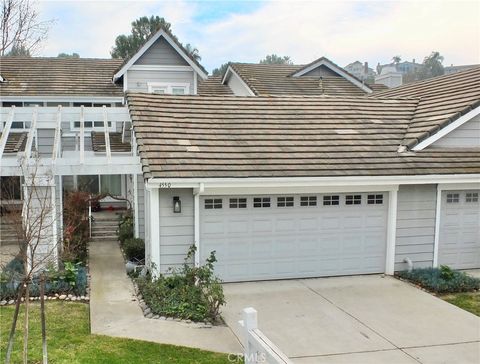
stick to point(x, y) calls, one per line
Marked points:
point(245, 31)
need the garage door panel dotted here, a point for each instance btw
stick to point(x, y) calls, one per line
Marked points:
point(459, 238)
point(291, 242)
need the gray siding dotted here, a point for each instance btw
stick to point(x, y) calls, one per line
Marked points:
point(321, 71)
point(161, 53)
point(237, 86)
point(141, 206)
point(415, 225)
point(46, 139)
point(176, 230)
point(137, 80)
point(467, 135)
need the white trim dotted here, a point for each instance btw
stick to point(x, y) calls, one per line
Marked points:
point(148, 44)
point(72, 99)
point(55, 222)
point(437, 225)
point(82, 135)
point(135, 204)
point(60, 185)
point(391, 231)
point(6, 131)
point(196, 214)
point(108, 151)
point(1, 79)
point(168, 86)
point(195, 83)
point(336, 69)
point(156, 67)
point(125, 82)
point(269, 182)
point(449, 128)
point(229, 71)
point(31, 133)
point(155, 227)
point(57, 146)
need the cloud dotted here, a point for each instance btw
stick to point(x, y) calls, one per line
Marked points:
point(304, 30)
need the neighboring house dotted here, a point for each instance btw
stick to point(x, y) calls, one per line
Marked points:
point(285, 171)
point(454, 69)
point(360, 70)
point(405, 67)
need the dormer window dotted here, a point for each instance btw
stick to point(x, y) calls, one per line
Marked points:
point(163, 88)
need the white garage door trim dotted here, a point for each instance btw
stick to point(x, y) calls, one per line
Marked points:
point(377, 227)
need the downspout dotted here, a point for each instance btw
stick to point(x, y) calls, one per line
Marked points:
point(196, 213)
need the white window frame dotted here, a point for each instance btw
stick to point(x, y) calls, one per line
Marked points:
point(168, 86)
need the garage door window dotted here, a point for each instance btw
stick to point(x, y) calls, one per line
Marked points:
point(261, 202)
point(471, 197)
point(453, 198)
point(375, 199)
point(308, 201)
point(331, 200)
point(213, 203)
point(284, 201)
point(353, 200)
point(238, 203)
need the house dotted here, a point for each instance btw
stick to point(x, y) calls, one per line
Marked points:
point(285, 171)
point(454, 69)
point(360, 70)
point(405, 67)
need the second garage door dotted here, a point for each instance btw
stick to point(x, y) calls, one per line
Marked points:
point(294, 236)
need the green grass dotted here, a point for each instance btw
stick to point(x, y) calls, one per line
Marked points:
point(467, 301)
point(70, 341)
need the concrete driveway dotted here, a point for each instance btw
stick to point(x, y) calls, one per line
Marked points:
point(361, 319)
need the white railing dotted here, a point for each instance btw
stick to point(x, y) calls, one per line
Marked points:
point(257, 347)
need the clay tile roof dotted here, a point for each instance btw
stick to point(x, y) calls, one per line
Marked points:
point(15, 142)
point(35, 76)
point(442, 100)
point(116, 145)
point(213, 86)
point(271, 79)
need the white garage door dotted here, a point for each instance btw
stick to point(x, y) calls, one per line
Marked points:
point(459, 238)
point(294, 236)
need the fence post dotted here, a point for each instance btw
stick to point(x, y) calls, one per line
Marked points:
point(248, 323)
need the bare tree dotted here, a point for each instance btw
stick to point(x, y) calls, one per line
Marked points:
point(21, 26)
point(35, 226)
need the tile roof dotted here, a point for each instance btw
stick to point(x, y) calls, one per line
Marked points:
point(272, 79)
point(15, 142)
point(34, 76)
point(442, 100)
point(116, 145)
point(213, 86)
point(199, 137)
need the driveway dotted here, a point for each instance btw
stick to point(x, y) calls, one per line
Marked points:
point(361, 319)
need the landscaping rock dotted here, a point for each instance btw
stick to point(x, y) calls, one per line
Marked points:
point(11, 302)
point(150, 315)
point(82, 298)
point(188, 321)
point(3, 303)
point(62, 297)
point(147, 310)
point(162, 318)
point(156, 317)
point(70, 296)
point(73, 298)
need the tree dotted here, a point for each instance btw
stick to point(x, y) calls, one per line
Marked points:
point(220, 71)
point(18, 51)
point(274, 59)
point(396, 59)
point(67, 55)
point(432, 66)
point(21, 27)
point(142, 29)
point(193, 52)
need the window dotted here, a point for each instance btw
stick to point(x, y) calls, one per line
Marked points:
point(32, 103)
point(78, 104)
point(453, 198)
point(375, 199)
point(12, 103)
point(168, 88)
point(331, 200)
point(58, 103)
point(308, 201)
point(10, 188)
point(111, 184)
point(471, 197)
point(91, 124)
point(285, 201)
point(238, 203)
point(89, 184)
point(18, 125)
point(353, 200)
point(213, 203)
point(261, 202)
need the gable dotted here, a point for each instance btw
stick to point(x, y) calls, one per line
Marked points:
point(465, 136)
point(161, 53)
point(321, 71)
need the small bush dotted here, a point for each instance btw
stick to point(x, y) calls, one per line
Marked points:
point(442, 280)
point(190, 292)
point(76, 226)
point(125, 228)
point(134, 249)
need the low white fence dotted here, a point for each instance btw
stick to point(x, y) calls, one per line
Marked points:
point(258, 348)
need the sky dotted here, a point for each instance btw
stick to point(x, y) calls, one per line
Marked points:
point(246, 31)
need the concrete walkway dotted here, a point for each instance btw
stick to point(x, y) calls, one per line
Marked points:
point(361, 319)
point(114, 310)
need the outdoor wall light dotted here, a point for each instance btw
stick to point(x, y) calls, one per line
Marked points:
point(177, 205)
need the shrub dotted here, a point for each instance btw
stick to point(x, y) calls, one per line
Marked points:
point(76, 226)
point(134, 249)
point(190, 292)
point(442, 280)
point(125, 228)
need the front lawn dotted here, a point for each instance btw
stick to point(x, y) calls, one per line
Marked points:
point(467, 301)
point(70, 341)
